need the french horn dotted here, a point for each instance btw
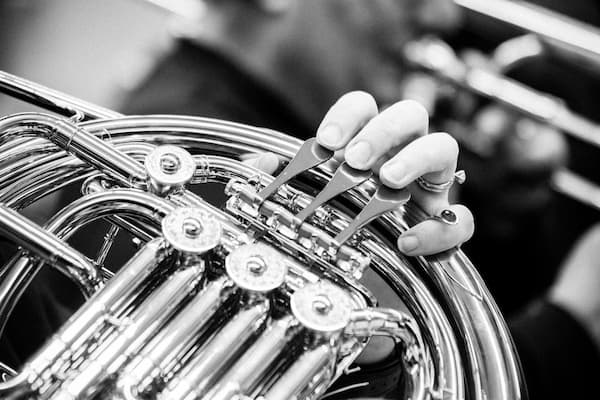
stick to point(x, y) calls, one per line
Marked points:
point(262, 298)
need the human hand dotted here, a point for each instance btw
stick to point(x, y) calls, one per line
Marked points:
point(394, 143)
point(577, 288)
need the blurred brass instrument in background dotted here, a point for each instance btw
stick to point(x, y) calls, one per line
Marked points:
point(545, 34)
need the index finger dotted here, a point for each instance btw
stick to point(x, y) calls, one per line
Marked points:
point(345, 118)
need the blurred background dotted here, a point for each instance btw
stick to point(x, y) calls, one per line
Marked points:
point(96, 50)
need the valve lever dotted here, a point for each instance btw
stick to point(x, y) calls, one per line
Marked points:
point(385, 199)
point(309, 155)
point(344, 179)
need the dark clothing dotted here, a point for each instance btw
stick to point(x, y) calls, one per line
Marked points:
point(196, 81)
point(559, 359)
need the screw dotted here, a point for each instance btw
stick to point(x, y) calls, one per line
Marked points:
point(192, 228)
point(170, 163)
point(322, 304)
point(256, 265)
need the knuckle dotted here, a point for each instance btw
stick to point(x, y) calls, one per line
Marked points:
point(416, 109)
point(389, 125)
point(421, 157)
point(409, 114)
point(351, 111)
point(449, 142)
point(429, 156)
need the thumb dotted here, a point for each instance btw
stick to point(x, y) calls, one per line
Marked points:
point(266, 162)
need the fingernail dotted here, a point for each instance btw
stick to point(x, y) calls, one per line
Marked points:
point(358, 154)
point(394, 174)
point(330, 135)
point(253, 162)
point(268, 163)
point(249, 156)
point(407, 244)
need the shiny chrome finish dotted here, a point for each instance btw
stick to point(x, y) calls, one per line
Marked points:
point(191, 231)
point(73, 139)
point(322, 307)
point(384, 200)
point(49, 248)
point(210, 362)
point(169, 169)
point(136, 330)
point(186, 319)
point(256, 268)
point(50, 99)
point(246, 374)
point(309, 155)
point(160, 355)
point(344, 179)
point(102, 308)
point(393, 323)
point(309, 374)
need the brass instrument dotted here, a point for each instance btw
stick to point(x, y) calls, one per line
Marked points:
point(264, 299)
point(557, 34)
point(545, 33)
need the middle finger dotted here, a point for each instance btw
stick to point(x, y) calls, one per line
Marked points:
point(433, 156)
point(392, 127)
